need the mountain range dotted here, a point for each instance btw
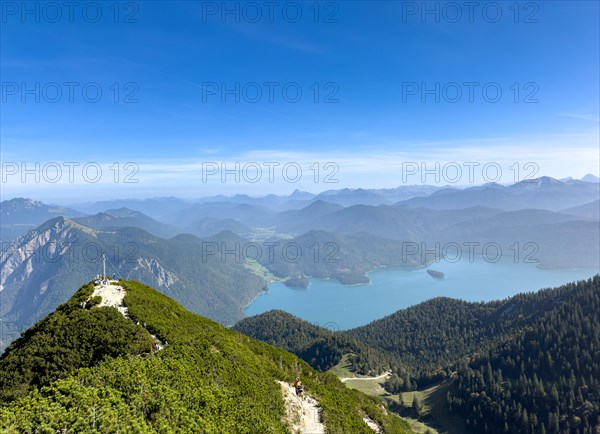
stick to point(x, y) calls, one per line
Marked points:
point(42, 266)
point(346, 210)
point(19, 215)
point(527, 364)
point(215, 276)
point(185, 252)
point(541, 193)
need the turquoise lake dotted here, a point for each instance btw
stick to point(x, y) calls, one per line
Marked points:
point(338, 307)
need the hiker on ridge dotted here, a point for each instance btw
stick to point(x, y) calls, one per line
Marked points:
point(299, 388)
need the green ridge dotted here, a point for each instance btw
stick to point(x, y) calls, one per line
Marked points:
point(207, 378)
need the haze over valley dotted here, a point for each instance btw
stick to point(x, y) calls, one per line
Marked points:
point(216, 254)
point(323, 217)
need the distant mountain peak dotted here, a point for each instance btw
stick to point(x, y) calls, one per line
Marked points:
point(590, 178)
point(62, 223)
point(544, 180)
point(22, 203)
point(122, 212)
point(299, 194)
point(536, 183)
point(490, 186)
point(321, 203)
point(23, 211)
point(104, 216)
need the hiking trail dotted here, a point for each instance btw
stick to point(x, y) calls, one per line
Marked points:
point(112, 295)
point(372, 424)
point(303, 416)
point(379, 377)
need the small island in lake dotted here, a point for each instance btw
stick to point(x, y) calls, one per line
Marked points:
point(298, 282)
point(436, 274)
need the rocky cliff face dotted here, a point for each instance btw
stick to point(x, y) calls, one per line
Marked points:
point(49, 242)
point(39, 268)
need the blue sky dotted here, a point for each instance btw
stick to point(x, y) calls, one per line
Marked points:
point(163, 107)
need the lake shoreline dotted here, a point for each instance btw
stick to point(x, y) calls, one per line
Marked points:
point(391, 289)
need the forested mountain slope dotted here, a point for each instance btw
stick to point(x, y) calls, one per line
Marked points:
point(526, 364)
point(90, 369)
point(546, 378)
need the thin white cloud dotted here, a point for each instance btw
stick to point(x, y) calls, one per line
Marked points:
point(582, 116)
point(505, 160)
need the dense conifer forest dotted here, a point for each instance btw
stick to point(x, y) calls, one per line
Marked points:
point(526, 364)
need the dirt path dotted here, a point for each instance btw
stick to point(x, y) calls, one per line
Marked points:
point(372, 424)
point(380, 377)
point(303, 416)
point(112, 295)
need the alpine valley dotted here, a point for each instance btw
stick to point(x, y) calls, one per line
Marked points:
point(527, 363)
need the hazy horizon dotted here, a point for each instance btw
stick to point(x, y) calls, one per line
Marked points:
point(225, 195)
point(136, 101)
